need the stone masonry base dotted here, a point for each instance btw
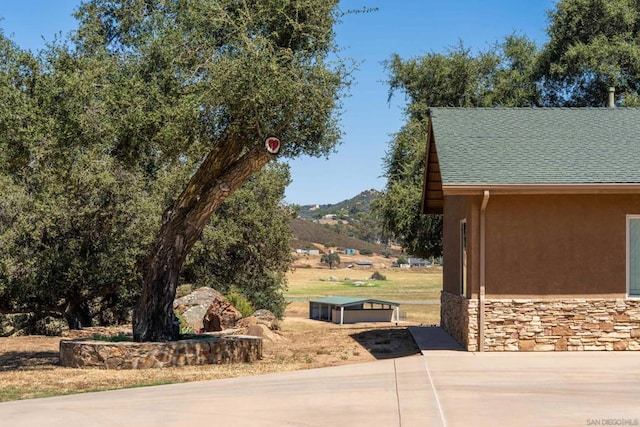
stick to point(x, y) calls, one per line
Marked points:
point(544, 324)
point(133, 355)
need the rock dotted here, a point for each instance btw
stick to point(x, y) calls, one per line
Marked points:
point(266, 317)
point(262, 331)
point(245, 322)
point(207, 310)
point(220, 315)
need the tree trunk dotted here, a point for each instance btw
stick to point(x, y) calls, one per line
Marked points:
point(221, 173)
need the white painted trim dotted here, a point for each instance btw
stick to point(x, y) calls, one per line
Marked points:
point(463, 279)
point(627, 261)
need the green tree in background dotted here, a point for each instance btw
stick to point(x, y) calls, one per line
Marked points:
point(332, 259)
point(593, 45)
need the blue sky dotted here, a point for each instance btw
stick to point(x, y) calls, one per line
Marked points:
point(409, 28)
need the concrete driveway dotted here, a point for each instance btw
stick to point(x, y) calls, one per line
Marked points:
point(442, 387)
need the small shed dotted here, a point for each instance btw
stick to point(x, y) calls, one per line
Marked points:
point(343, 310)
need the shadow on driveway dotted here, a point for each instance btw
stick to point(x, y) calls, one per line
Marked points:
point(387, 343)
point(430, 338)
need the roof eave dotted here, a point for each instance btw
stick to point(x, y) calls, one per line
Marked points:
point(465, 189)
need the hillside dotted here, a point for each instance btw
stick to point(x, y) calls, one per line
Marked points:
point(360, 204)
point(307, 233)
point(350, 218)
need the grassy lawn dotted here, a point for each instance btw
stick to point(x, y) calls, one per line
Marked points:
point(401, 284)
point(418, 290)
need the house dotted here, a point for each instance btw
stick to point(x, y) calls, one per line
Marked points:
point(308, 251)
point(541, 226)
point(343, 310)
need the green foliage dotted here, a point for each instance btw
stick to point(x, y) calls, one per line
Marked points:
point(594, 45)
point(332, 259)
point(365, 251)
point(378, 276)
point(387, 253)
point(185, 329)
point(120, 337)
point(241, 303)
point(99, 138)
point(402, 260)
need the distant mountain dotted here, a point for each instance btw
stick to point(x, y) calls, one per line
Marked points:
point(352, 218)
point(347, 208)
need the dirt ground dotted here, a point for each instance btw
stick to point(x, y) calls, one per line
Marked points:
point(29, 365)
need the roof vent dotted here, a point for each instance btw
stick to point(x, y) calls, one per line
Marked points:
point(612, 97)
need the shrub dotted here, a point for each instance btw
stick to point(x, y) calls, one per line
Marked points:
point(387, 253)
point(185, 329)
point(402, 260)
point(120, 337)
point(378, 276)
point(366, 251)
point(241, 303)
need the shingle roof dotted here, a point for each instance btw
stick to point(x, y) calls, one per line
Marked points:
point(537, 145)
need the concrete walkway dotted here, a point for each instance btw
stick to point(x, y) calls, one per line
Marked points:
point(443, 387)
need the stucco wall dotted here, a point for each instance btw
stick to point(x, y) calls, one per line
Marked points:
point(541, 244)
point(457, 208)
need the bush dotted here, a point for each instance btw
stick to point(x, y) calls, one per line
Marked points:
point(241, 303)
point(120, 337)
point(185, 329)
point(366, 251)
point(402, 260)
point(387, 253)
point(378, 276)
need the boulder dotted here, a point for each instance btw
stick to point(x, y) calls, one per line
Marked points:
point(262, 331)
point(265, 317)
point(220, 315)
point(206, 310)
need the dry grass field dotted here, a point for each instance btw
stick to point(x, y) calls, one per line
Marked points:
point(29, 365)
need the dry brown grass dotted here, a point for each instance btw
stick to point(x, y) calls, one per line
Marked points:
point(29, 365)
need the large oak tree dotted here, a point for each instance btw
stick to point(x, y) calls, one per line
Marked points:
point(218, 77)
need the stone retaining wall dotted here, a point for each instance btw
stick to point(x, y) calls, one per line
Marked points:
point(545, 324)
point(132, 355)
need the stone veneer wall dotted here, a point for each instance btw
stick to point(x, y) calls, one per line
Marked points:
point(544, 324)
point(133, 355)
point(459, 317)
